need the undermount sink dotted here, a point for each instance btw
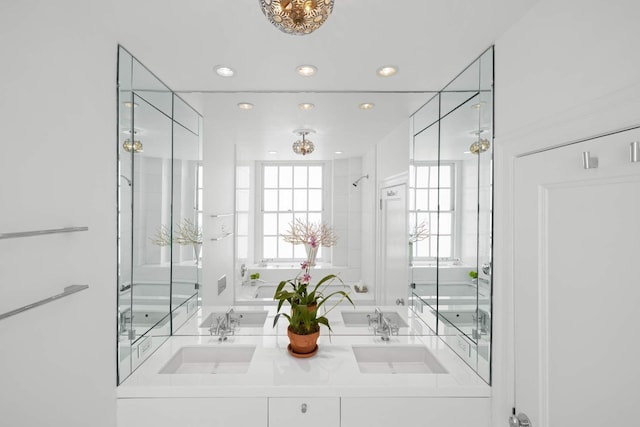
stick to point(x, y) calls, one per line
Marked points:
point(401, 359)
point(210, 360)
point(361, 318)
point(250, 319)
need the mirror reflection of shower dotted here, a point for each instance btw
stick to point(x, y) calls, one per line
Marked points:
point(357, 181)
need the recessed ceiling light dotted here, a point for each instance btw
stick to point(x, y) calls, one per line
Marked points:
point(338, 152)
point(130, 104)
point(224, 71)
point(245, 105)
point(273, 152)
point(387, 70)
point(366, 106)
point(478, 105)
point(306, 70)
point(306, 106)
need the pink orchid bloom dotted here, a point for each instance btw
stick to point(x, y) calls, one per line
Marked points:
point(306, 278)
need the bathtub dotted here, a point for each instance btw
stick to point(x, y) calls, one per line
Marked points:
point(261, 293)
point(452, 294)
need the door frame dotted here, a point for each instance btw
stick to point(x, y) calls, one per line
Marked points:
point(390, 181)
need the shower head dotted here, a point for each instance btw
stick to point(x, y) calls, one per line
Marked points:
point(357, 181)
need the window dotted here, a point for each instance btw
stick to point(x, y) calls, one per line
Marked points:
point(433, 186)
point(289, 191)
point(243, 208)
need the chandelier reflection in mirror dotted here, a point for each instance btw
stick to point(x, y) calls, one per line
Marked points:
point(129, 145)
point(297, 17)
point(303, 146)
point(480, 146)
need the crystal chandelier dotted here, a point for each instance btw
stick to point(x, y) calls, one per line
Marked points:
point(303, 146)
point(129, 145)
point(297, 17)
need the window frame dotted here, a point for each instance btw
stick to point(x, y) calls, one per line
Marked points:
point(324, 255)
point(454, 211)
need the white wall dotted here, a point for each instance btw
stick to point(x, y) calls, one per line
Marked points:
point(393, 152)
point(369, 206)
point(567, 70)
point(58, 169)
point(219, 198)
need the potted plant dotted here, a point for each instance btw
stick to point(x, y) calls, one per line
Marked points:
point(308, 304)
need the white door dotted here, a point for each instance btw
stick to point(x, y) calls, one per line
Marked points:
point(577, 285)
point(394, 260)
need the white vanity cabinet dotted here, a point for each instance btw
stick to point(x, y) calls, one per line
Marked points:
point(193, 412)
point(307, 411)
point(418, 411)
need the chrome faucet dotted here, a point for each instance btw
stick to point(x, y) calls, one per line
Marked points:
point(482, 318)
point(126, 316)
point(224, 325)
point(382, 325)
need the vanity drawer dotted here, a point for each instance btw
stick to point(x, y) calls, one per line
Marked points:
point(307, 411)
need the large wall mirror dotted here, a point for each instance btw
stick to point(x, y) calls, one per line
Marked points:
point(159, 237)
point(450, 213)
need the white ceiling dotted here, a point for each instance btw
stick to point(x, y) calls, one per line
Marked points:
point(430, 41)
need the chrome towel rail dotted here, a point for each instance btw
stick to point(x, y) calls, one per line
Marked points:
point(42, 232)
point(67, 291)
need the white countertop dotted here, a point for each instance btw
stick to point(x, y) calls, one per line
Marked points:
point(333, 371)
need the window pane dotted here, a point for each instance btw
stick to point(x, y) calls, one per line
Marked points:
point(243, 224)
point(422, 200)
point(270, 224)
point(286, 200)
point(300, 177)
point(315, 176)
point(433, 223)
point(445, 176)
point(433, 176)
point(286, 177)
point(433, 200)
point(433, 246)
point(270, 177)
point(270, 201)
point(285, 250)
point(445, 200)
point(300, 200)
point(302, 216)
point(422, 248)
point(284, 219)
point(422, 177)
point(270, 247)
point(315, 217)
point(315, 200)
point(412, 200)
point(444, 246)
point(242, 200)
point(445, 223)
point(299, 251)
point(243, 247)
point(200, 178)
point(199, 200)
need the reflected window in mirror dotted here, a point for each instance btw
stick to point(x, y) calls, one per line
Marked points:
point(243, 210)
point(433, 231)
point(290, 191)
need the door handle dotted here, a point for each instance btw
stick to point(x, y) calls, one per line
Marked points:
point(521, 420)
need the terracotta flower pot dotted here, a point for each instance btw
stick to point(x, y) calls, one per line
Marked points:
point(303, 345)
